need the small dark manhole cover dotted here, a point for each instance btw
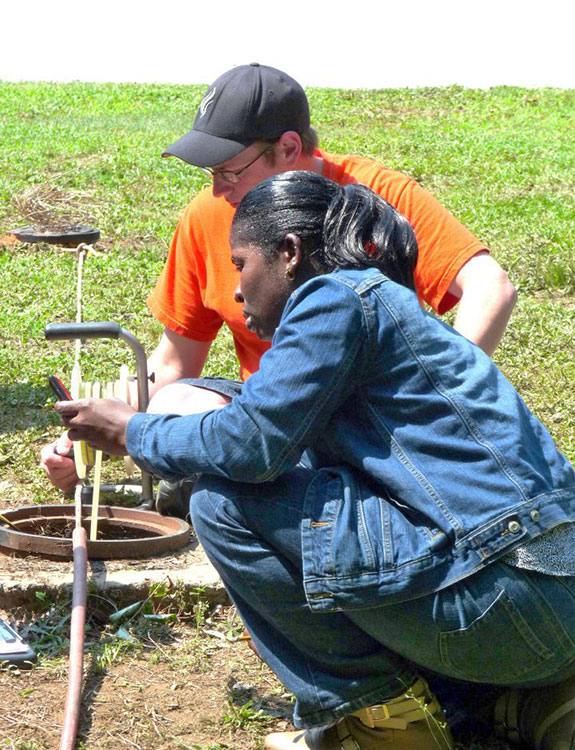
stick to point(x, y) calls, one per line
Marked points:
point(122, 532)
point(58, 235)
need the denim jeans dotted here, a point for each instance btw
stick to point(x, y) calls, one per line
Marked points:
point(501, 625)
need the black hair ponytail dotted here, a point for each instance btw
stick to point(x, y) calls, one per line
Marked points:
point(362, 230)
point(349, 227)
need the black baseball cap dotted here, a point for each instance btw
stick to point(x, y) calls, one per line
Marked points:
point(246, 104)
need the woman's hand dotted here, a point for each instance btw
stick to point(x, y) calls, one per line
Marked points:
point(100, 422)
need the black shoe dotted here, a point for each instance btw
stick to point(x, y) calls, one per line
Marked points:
point(173, 498)
point(543, 718)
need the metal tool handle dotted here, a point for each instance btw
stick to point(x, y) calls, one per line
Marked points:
point(102, 330)
point(106, 330)
point(110, 330)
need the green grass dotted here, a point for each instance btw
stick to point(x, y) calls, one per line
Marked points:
point(502, 160)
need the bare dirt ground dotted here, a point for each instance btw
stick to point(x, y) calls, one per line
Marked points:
point(179, 687)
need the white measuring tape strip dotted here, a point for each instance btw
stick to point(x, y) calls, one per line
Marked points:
point(85, 457)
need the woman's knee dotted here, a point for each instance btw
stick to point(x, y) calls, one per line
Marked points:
point(182, 398)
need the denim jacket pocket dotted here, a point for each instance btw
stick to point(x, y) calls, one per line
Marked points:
point(486, 645)
point(345, 532)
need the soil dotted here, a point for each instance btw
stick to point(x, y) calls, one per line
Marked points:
point(185, 689)
point(182, 685)
point(35, 566)
point(63, 528)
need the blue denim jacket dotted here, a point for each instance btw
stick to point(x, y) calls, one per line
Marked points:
point(430, 465)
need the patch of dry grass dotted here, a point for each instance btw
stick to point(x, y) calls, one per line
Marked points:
point(54, 207)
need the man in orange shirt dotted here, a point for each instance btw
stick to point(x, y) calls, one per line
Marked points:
point(254, 122)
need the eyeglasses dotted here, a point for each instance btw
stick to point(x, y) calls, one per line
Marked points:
point(234, 177)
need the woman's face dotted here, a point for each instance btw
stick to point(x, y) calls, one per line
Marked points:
point(263, 289)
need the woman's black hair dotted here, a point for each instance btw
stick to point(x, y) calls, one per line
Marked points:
point(338, 227)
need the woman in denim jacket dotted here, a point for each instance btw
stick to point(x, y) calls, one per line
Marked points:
point(379, 501)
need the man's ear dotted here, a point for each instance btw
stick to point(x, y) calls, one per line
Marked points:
point(291, 252)
point(288, 149)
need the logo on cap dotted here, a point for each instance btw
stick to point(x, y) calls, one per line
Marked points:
point(206, 101)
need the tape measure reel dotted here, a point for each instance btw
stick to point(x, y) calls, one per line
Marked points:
point(84, 454)
point(122, 391)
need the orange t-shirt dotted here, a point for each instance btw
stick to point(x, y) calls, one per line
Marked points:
point(194, 294)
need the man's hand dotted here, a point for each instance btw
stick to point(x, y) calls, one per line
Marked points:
point(100, 422)
point(58, 462)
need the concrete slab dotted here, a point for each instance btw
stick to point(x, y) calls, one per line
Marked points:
point(120, 580)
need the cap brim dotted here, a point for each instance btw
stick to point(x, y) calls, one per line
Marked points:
point(203, 150)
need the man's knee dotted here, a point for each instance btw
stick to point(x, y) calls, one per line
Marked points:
point(181, 398)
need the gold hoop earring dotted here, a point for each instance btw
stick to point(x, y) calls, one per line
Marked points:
point(289, 274)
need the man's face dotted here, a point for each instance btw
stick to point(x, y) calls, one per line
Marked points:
point(262, 290)
point(252, 176)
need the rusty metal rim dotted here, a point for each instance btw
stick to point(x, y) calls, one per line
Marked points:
point(172, 533)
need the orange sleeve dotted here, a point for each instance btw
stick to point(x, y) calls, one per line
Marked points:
point(178, 298)
point(445, 245)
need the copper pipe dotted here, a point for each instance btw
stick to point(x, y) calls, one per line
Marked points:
point(77, 623)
